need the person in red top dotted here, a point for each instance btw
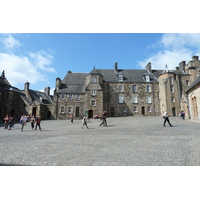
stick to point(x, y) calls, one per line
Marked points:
point(6, 122)
point(37, 123)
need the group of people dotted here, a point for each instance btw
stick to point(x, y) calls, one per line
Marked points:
point(35, 122)
point(103, 118)
point(8, 122)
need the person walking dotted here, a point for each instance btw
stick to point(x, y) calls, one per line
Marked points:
point(71, 117)
point(23, 122)
point(37, 123)
point(10, 123)
point(166, 118)
point(32, 122)
point(182, 115)
point(6, 122)
point(104, 116)
point(84, 121)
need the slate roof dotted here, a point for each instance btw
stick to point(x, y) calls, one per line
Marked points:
point(37, 95)
point(129, 75)
point(4, 81)
point(73, 83)
point(196, 82)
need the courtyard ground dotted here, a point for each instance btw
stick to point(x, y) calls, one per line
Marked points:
point(127, 141)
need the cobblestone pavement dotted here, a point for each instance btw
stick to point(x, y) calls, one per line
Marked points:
point(127, 141)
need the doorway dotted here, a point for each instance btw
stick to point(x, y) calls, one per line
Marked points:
point(143, 110)
point(90, 113)
point(112, 111)
point(34, 112)
point(77, 112)
point(173, 111)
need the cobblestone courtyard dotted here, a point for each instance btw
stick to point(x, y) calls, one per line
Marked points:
point(127, 141)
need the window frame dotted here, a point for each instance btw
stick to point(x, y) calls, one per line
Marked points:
point(120, 77)
point(121, 99)
point(134, 88)
point(148, 99)
point(93, 100)
point(134, 98)
point(62, 107)
point(122, 88)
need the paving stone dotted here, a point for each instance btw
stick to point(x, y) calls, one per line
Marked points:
point(127, 141)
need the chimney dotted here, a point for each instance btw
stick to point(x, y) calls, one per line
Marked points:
point(47, 90)
point(182, 65)
point(177, 68)
point(26, 88)
point(148, 67)
point(69, 72)
point(195, 58)
point(58, 83)
point(116, 67)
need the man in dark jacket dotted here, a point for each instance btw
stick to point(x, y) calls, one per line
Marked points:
point(104, 116)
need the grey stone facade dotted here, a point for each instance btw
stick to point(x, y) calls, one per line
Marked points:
point(121, 92)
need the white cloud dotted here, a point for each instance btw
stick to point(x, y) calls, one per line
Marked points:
point(21, 68)
point(175, 47)
point(42, 60)
point(10, 42)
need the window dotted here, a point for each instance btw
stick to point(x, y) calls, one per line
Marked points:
point(62, 96)
point(121, 99)
point(121, 88)
point(148, 99)
point(135, 109)
point(134, 88)
point(62, 109)
point(70, 96)
point(173, 99)
point(93, 102)
point(120, 77)
point(69, 109)
point(148, 88)
point(171, 88)
point(93, 92)
point(125, 109)
point(187, 83)
point(147, 77)
point(135, 99)
point(77, 97)
point(171, 80)
point(148, 108)
point(93, 79)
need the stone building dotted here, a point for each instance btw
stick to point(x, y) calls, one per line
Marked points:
point(125, 92)
point(119, 92)
point(15, 102)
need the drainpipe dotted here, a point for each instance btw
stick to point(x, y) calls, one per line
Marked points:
point(57, 106)
point(188, 106)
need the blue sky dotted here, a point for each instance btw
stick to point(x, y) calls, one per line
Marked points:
point(42, 57)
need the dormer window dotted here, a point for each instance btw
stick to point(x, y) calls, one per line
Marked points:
point(147, 77)
point(93, 79)
point(120, 77)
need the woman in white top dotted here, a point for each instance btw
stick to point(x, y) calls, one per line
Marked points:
point(166, 118)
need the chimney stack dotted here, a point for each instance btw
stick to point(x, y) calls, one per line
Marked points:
point(58, 83)
point(182, 65)
point(116, 67)
point(195, 58)
point(47, 90)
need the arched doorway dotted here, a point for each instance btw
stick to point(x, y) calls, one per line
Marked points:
point(34, 111)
